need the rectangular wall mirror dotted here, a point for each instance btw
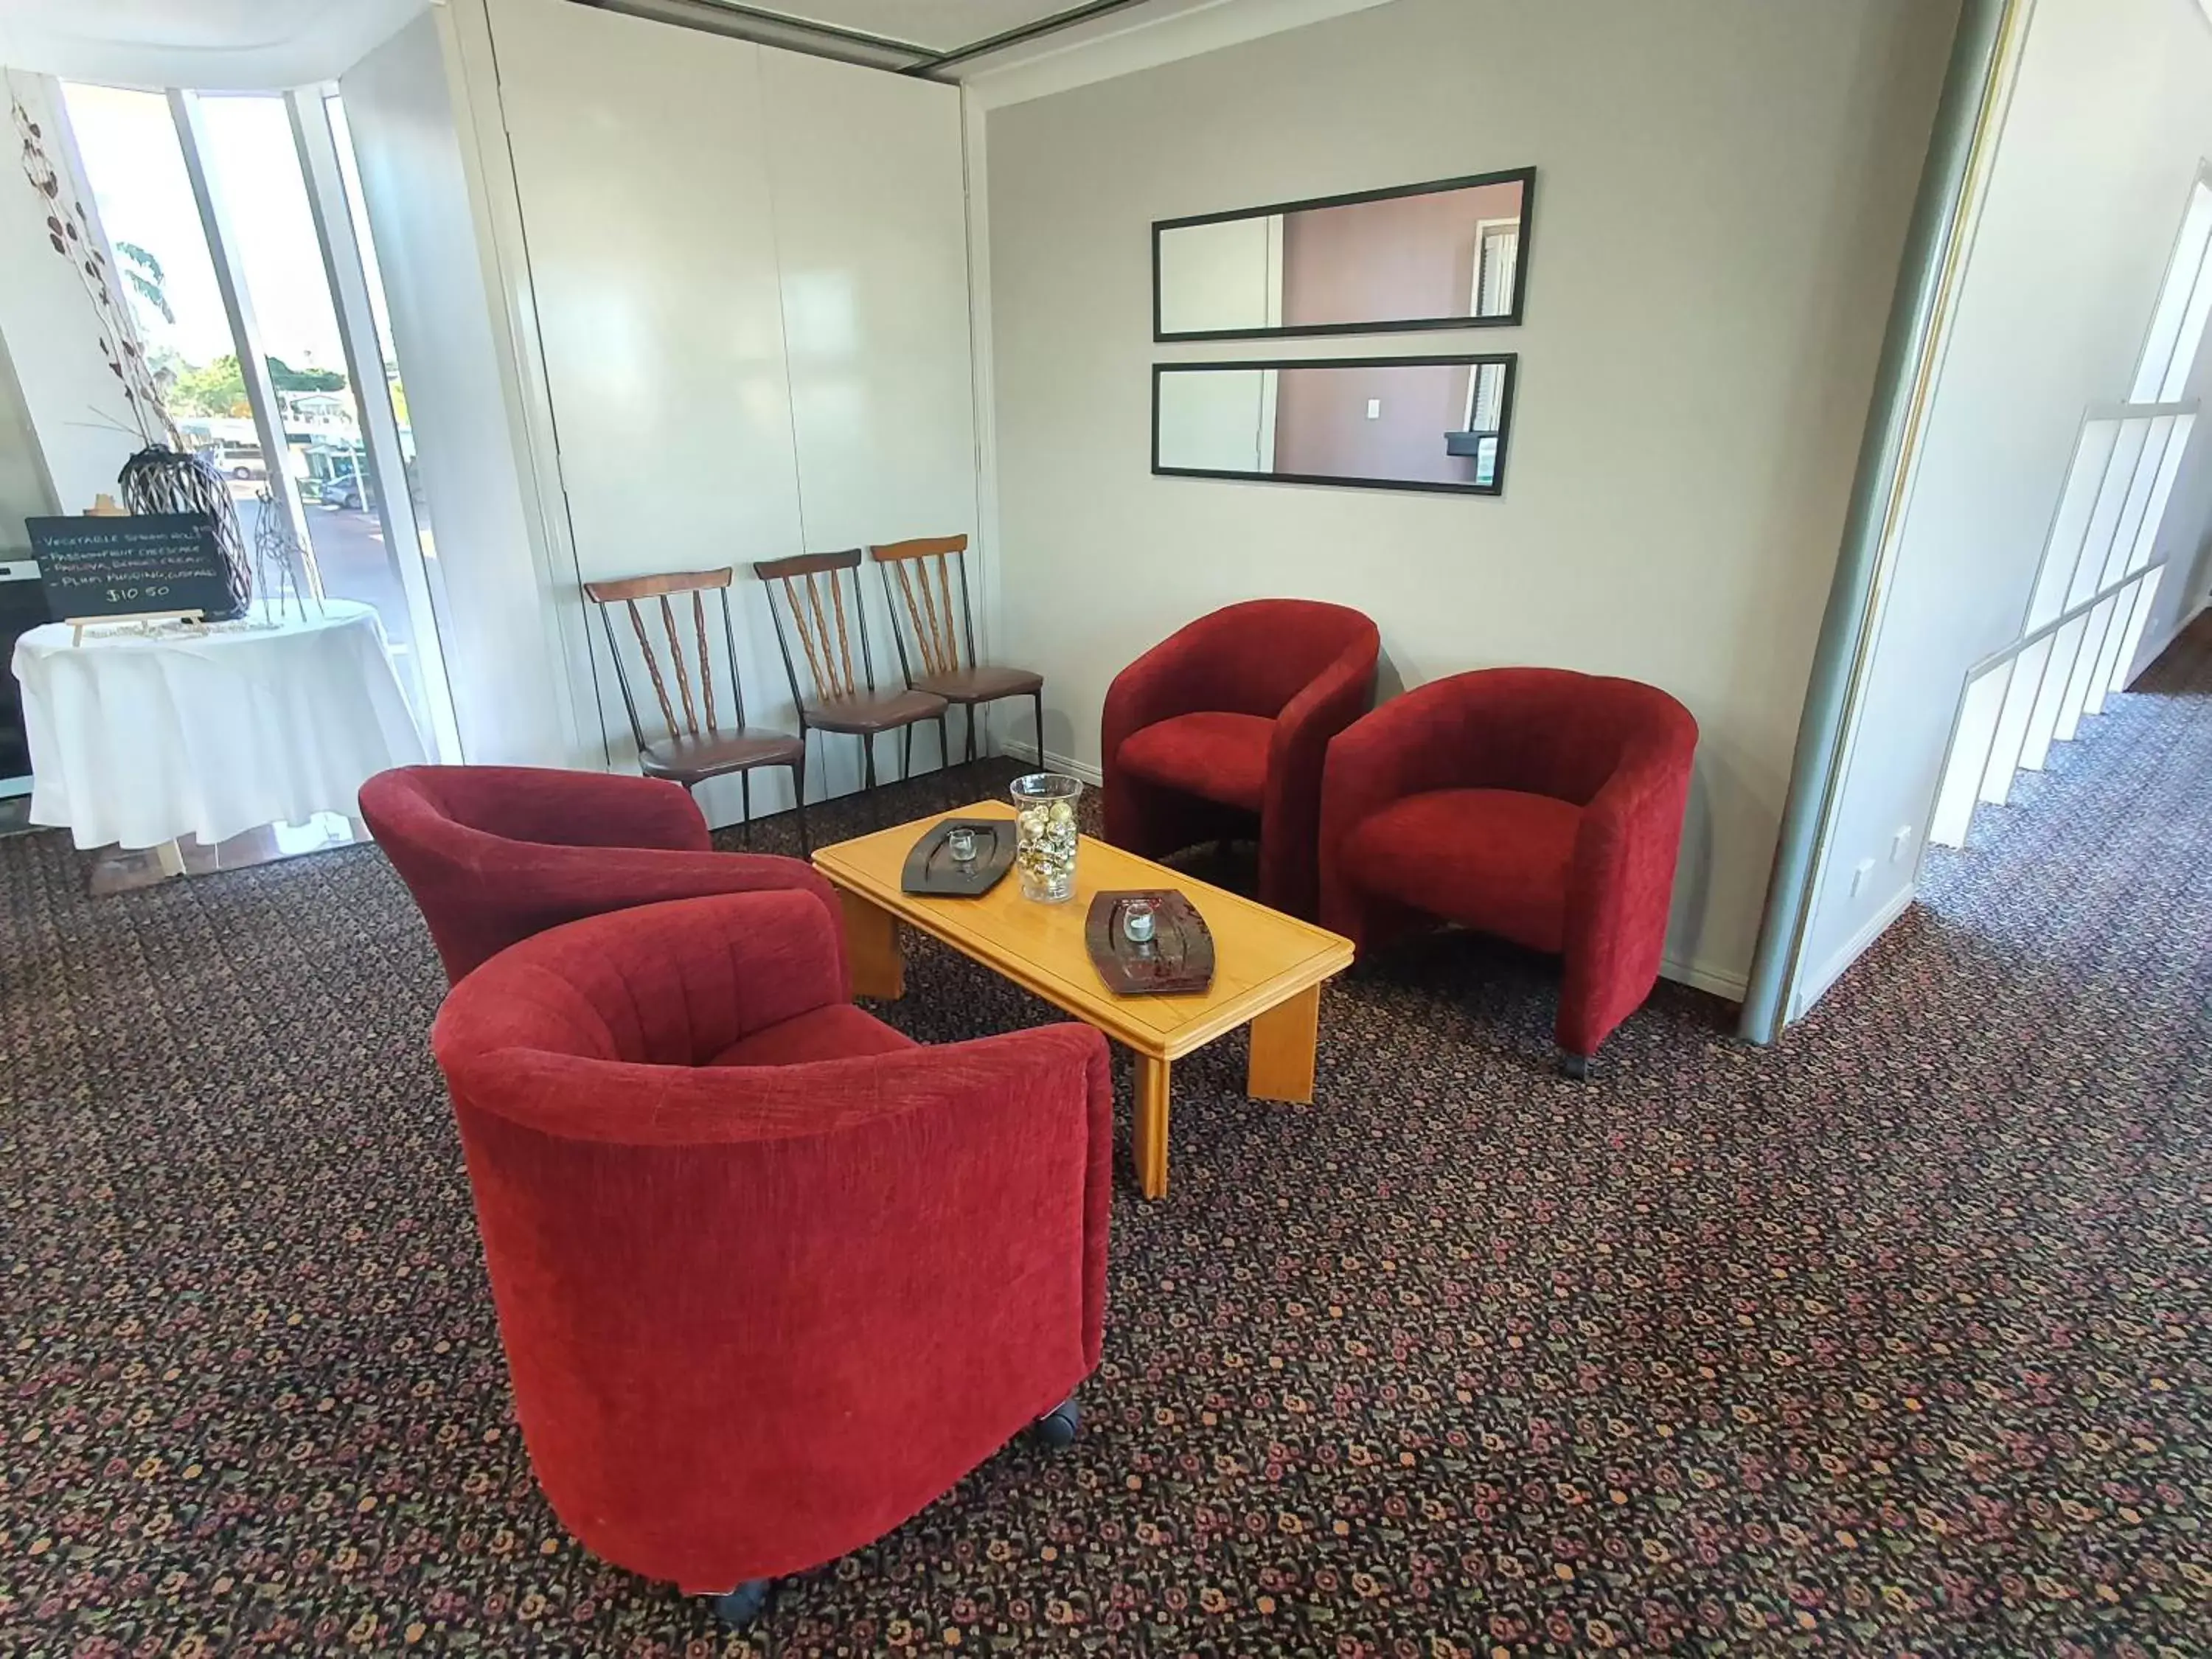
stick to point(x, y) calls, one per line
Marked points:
point(1452, 253)
point(1386, 422)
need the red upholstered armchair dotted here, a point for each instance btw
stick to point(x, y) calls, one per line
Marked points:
point(1539, 805)
point(1227, 722)
point(770, 1277)
point(496, 853)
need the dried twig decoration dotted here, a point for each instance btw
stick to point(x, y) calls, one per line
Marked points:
point(70, 230)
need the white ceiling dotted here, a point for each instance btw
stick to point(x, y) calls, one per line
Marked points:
point(218, 44)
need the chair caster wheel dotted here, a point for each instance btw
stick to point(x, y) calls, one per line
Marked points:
point(1574, 1066)
point(744, 1604)
point(1057, 1427)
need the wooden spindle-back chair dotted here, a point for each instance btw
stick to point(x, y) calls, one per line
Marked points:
point(693, 739)
point(928, 570)
point(815, 598)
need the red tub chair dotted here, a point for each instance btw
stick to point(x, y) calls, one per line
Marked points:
point(496, 853)
point(770, 1277)
point(1224, 726)
point(1539, 805)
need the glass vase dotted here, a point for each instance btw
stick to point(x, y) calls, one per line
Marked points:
point(1045, 835)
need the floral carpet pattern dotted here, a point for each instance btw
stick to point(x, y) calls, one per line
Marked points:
point(1896, 1338)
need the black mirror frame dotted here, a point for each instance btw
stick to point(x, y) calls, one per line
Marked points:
point(1496, 486)
point(1526, 177)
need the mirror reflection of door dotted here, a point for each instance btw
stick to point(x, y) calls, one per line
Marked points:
point(1445, 255)
point(1497, 257)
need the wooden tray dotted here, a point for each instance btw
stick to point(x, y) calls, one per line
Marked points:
point(932, 869)
point(1179, 960)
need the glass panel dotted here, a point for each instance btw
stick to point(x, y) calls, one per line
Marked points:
point(253, 169)
point(350, 171)
point(1413, 423)
point(144, 199)
point(1451, 254)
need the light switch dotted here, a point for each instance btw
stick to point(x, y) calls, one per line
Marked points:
point(1374, 409)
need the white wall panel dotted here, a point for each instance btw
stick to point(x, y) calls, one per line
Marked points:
point(641, 168)
point(749, 278)
point(870, 236)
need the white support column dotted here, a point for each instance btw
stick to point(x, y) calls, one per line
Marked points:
point(364, 359)
point(246, 333)
point(2146, 597)
point(2011, 722)
point(2057, 672)
point(2095, 625)
point(1971, 740)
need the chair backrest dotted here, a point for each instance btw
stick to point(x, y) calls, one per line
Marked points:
point(1546, 731)
point(944, 642)
point(819, 596)
point(497, 853)
point(665, 588)
point(1258, 654)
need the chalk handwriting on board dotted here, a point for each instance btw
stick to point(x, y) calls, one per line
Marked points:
point(126, 566)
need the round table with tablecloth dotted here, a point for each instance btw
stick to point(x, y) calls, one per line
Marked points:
point(139, 737)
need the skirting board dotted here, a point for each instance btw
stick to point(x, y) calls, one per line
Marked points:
point(1815, 986)
point(1718, 981)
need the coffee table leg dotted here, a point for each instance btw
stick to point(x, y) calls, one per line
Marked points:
point(872, 947)
point(1283, 1042)
point(1149, 1136)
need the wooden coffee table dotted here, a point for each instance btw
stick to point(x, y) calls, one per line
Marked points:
point(1268, 967)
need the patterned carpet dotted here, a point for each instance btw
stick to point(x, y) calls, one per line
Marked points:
point(1896, 1338)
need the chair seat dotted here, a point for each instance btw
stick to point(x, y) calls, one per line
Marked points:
point(875, 711)
point(1222, 757)
point(1494, 858)
point(840, 1031)
point(980, 684)
point(712, 752)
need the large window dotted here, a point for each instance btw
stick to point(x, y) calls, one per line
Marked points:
point(256, 298)
point(144, 196)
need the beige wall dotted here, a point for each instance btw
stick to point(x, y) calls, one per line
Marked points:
point(1721, 199)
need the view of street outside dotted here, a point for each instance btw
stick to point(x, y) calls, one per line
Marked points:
point(134, 162)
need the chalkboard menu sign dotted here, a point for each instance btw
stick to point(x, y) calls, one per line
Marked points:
point(129, 564)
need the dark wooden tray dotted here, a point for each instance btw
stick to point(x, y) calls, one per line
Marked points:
point(1179, 961)
point(932, 869)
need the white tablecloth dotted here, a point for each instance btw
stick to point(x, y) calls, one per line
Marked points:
point(138, 739)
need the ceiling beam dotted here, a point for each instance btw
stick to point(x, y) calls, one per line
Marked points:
point(767, 27)
point(1015, 36)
